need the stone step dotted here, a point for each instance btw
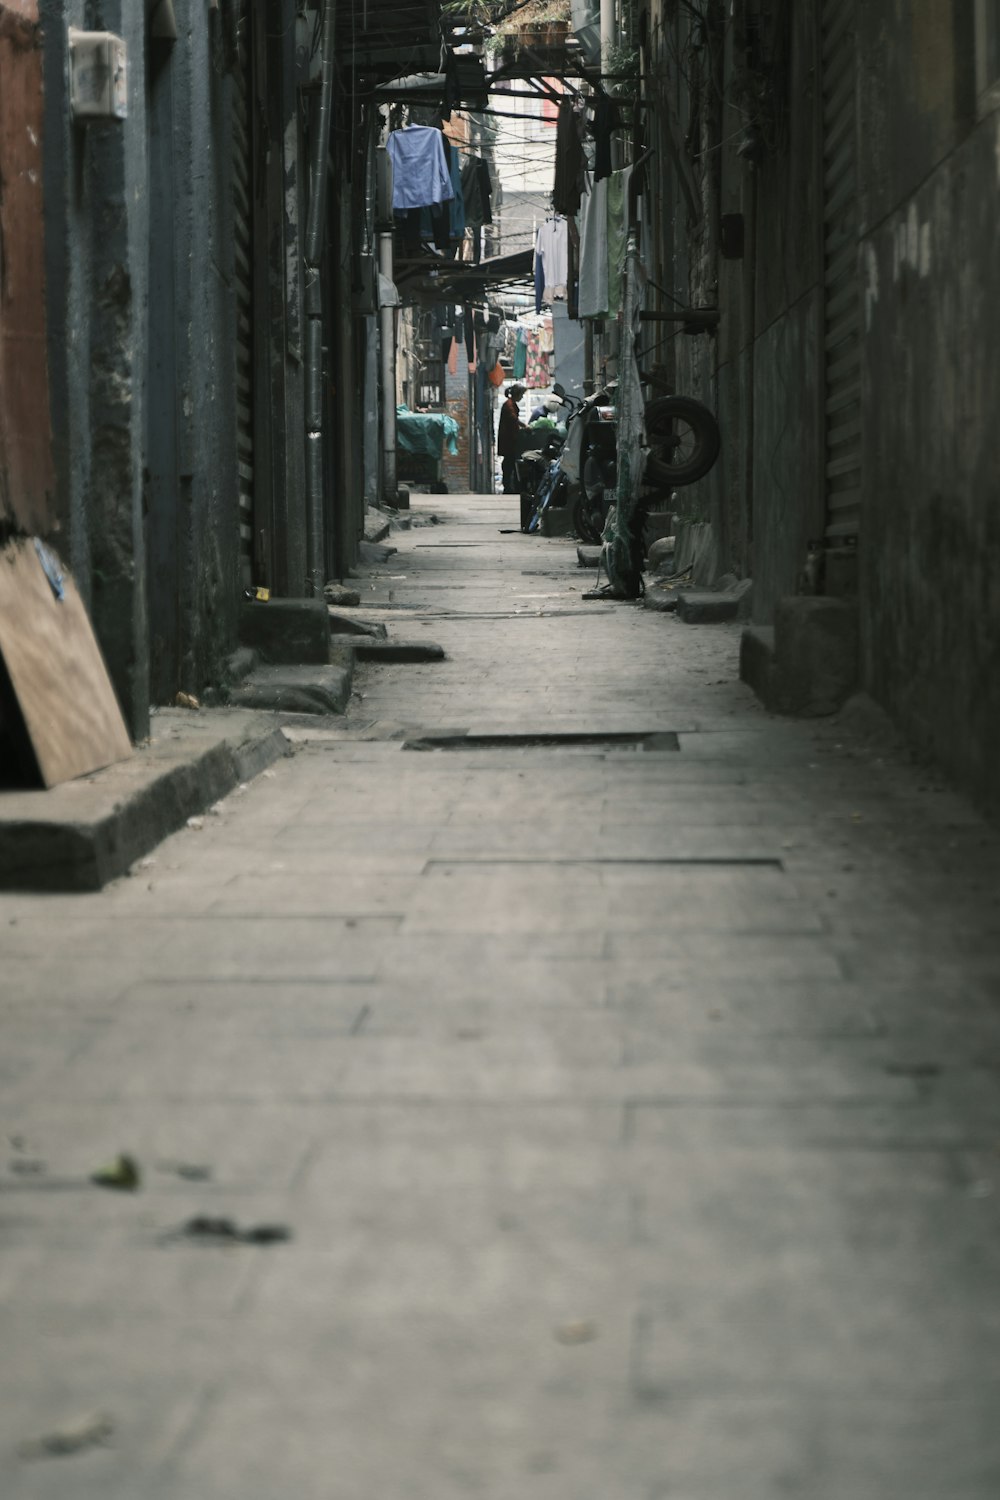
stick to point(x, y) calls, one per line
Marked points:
point(807, 665)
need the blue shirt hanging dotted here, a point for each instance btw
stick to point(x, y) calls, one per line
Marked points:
point(420, 174)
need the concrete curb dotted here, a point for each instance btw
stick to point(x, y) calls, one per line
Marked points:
point(81, 835)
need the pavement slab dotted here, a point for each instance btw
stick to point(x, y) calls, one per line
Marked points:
point(634, 1117)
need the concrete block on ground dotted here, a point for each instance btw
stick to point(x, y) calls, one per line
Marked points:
point(709, 607)
point(660, 600)
point(287, 630)
point(366, 649)
point(353, 625)
point(371, 554)
point(696, 550)
point(340, 597)
point(377, 526)
point(815, 654)
point(297, 689)
point(82, 834)
point(807, 665)
point(757, 660)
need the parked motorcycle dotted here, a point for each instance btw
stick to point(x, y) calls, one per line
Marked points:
point(683, 443)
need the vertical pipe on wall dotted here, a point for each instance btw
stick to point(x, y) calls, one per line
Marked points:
point(387, 344)
point(314, 310)
point(607, 33)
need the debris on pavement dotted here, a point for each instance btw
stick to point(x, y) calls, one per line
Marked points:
point(582, 1331)
point(122, 1174)
point(190, 1171)
point(205, 1230)
point(340, 596)
point(91, 1432)
point(27, 1166)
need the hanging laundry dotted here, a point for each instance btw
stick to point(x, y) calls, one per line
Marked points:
point(593, 301)
point(537, 371)
point(607, 119)
point(551, 250)
point(469, 333)
point(570, 160)
point(520, 362)
point(477, 191)
point(617, 237)
point(420, 174)
point(573, 257)
point(603, 236)
point(457, 205)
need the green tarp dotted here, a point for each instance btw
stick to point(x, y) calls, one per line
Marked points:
point(425, 434)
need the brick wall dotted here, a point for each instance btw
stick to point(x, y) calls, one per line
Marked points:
point(455, 467)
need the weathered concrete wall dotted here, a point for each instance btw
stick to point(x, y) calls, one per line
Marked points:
point(917, 94)
point(26, 477)
point(97, 223)
point(141, 330)
point(787, 499)
point(206, 505)
point(786, 475)
point(761, 372)
point(931, 540)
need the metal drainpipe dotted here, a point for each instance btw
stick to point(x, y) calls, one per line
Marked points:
point(315, 236)
point(387, 353)
point(607, 32)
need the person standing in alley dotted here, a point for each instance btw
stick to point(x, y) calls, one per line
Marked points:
point(507, 437)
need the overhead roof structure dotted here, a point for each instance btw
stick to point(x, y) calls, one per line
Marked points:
point(432, 279)
point(383, 38)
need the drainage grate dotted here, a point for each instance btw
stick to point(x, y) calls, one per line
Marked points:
point(666, 861)
point(654, 741)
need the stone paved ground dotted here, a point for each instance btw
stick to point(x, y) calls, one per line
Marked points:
point(636, 1114)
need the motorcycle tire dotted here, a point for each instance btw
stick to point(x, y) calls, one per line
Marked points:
point(594, 478)
point(584, 515)
point(663, 416)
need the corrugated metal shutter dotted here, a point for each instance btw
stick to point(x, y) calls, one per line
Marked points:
point(243, 279)
point(842, 289)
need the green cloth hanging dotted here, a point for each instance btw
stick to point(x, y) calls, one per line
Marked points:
point(520, 355)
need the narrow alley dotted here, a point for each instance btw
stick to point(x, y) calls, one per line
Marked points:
point(558, 1078)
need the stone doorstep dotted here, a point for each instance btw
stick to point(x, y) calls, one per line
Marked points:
point(807, 665)
point(80, 835)
point(367, 648)
point(709, 606)
point(299, 689)
point(355, 625)
point(287, 630)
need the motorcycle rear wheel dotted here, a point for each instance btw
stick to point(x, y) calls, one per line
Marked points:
point(587, 521)
point(684, 441)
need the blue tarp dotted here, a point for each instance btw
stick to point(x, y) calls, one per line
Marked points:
point(425, 433)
